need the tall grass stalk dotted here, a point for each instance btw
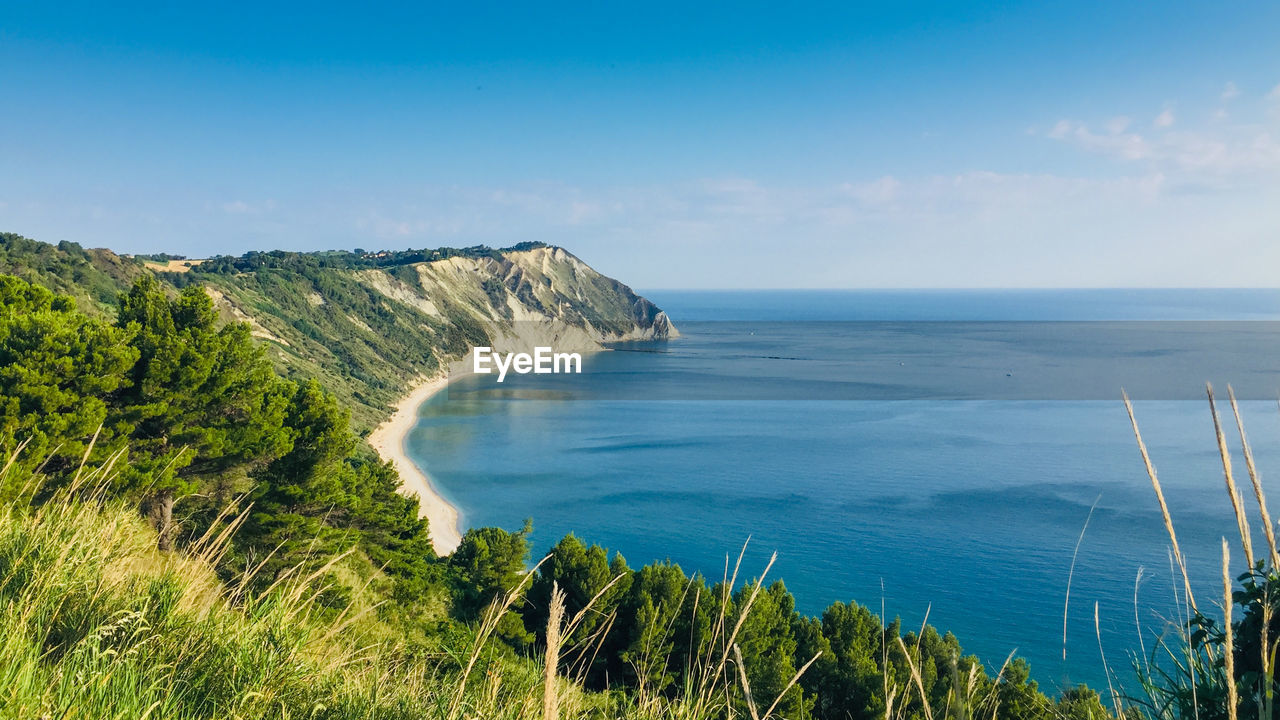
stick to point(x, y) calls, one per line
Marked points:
point(550, 696)
point(1209, 668)
point(1233, 492)
point(1164, 507)
point(1229, 656)
point(1267, 526)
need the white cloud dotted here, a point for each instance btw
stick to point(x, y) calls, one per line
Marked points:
point(879, 192)
point(1061, 129)
point(1128, 146)
point(1230, 92)
point(240, 207)
point(1117, 125)
point(1220, 152)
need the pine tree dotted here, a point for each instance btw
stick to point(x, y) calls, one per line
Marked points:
point(56, 367)
point(583, 573)
point(768, 648)
point(487, 564)
point(202, 399)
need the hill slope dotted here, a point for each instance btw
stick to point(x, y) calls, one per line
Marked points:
point(368, 325)
point(92, 277)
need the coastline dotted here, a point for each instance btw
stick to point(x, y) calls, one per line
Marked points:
point(388, 440)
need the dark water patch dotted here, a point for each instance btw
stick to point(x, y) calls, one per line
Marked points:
point(642, 445)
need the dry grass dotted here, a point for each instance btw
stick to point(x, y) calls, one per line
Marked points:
point(173, 266)
point(1229, 656)
point(1233, 492)
point(1164, 506)
point(1201, 675)
point(550, 694)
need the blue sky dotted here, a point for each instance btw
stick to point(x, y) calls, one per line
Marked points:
point(729, 145)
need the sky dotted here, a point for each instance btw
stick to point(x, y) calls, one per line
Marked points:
point(736, 145)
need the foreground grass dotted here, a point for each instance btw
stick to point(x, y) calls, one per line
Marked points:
point(95, 623)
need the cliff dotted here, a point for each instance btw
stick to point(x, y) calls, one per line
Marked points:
point(368, 325)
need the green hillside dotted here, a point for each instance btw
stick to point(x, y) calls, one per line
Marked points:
point(366, 325)
point(93, 277)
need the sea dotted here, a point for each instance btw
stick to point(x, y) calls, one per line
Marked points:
point(961, 457)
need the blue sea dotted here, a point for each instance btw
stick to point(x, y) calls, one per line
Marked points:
point(934, 453)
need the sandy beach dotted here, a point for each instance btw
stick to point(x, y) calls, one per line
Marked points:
point(388, 439)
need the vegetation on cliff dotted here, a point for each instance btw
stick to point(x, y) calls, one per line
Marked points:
point(365, 325)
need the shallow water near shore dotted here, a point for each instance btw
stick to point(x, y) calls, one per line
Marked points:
point(911, 449)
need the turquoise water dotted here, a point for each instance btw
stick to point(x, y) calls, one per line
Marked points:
point(910, 449)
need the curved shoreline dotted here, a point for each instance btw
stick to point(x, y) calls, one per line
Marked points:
point(388, 440)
